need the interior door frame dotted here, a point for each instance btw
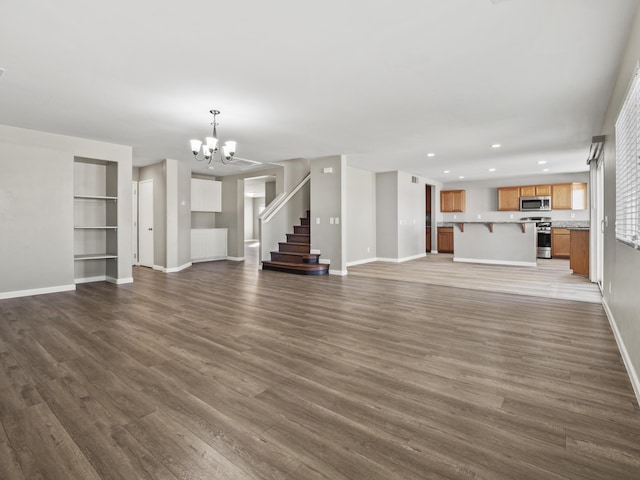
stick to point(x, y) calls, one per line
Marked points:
point(142, 223)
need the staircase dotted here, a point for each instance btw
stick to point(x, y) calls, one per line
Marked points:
point(293, 256)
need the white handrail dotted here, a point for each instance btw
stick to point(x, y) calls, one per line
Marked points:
point(281, 200)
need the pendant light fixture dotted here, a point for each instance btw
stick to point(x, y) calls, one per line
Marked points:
point(210, 146)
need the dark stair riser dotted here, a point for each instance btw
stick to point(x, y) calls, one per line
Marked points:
point(305, 230)
point(294, 247)
point(309, 258)
point(304, 221)
point(297, 238)
point(301, 269)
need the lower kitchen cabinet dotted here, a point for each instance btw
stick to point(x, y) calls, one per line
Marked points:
point(445, 239)
point(579, 258)
point(560, 243)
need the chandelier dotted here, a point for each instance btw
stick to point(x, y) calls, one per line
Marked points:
point(210, 146)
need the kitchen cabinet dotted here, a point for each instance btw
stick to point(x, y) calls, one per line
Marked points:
point(206, 195)
point(569, 196)
point(561, 196)
point(543, 190)
point(560, 243)
point(528, 191)
point(452, 200)
point(509, 198)
point(208, 244)
point(535, 191)
point(579, 252)
point(445, 239)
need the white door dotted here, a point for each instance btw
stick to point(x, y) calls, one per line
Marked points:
point(145, 223)
point(134, 225)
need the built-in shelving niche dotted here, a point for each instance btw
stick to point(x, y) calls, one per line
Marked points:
point(95, 186)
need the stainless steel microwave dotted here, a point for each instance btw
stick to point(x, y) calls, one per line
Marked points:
point(528, 204)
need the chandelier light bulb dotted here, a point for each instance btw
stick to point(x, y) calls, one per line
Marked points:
point(195, 146)
point(212, 143)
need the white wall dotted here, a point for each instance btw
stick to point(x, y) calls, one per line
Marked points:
point(482, 197)
point(361, 215)
point(621, 277)
point(387, 215)
point(328, 200)
point(411, 216)
point(36, 208)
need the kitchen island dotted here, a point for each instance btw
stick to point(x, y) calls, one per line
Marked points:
point(499, 243)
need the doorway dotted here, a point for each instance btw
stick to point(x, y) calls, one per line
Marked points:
point(145, 223)
point(428, 207)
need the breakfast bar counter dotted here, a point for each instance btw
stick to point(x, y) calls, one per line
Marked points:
point(499, 243)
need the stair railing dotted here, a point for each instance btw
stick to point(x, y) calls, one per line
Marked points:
point(275, 220)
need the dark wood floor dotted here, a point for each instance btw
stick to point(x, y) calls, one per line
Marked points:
point(223, 372)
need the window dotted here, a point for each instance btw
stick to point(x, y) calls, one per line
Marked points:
point(628, 168)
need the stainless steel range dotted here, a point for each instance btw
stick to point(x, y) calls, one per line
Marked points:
point(543, 234)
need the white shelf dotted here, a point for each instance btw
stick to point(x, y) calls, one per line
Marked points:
point(95, 197)
point(98, 227)
point(94, 256)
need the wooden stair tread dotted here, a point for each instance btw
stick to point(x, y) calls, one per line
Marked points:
point(301, 268)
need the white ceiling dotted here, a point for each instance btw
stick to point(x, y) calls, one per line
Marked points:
point(381, 81)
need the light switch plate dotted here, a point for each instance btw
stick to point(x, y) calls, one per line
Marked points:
point(317, 220)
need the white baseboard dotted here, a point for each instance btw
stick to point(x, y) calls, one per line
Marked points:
point(178, 269)
point(400, 260)
point(200, 260)
point(631, 371)
point(36, 291)
point(172, 269)
point(236, 259)
point(434, 252)
point(361, 262)
point(98, 278)
point(119, 281)
point(495, 262)
point(324, 260)
point(337, 272)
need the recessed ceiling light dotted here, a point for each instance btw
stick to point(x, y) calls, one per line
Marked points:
point(545, 169)
point(461, 176)
point(541, 162)
point(492, 169)
point(496, 145)
point(447, 171)
point(431, 154)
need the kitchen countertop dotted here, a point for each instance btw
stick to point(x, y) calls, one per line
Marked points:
point(484, 222)
point(571, 225)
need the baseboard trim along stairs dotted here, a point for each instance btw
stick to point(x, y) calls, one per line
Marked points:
point(294, 255)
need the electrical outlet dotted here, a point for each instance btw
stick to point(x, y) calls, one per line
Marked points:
point(331, 220)
point(479, 216)
point(573, 215)
point(368, 249)
point(455, 217)
point(511, 215)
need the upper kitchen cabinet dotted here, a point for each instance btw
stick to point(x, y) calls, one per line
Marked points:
point(535, 191)
point(509, 198)
point(206, 195)
point(569, 196)
point(452, 200)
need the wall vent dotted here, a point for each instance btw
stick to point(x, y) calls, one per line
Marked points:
point(414, 179)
